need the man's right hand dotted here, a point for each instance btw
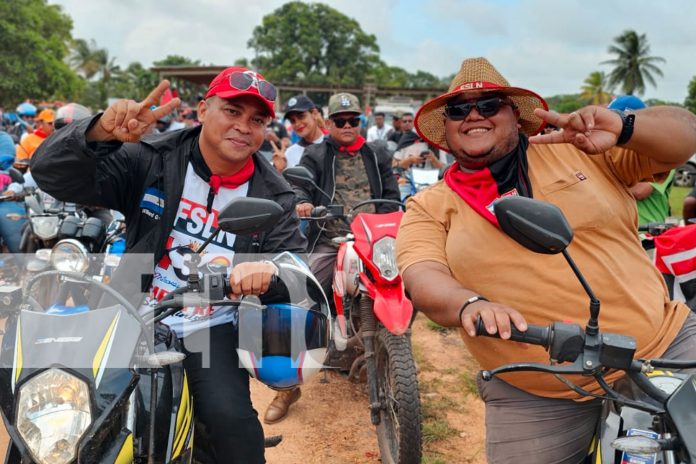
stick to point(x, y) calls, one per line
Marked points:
point(304, 209)
point(496, 318)
point(128, 120)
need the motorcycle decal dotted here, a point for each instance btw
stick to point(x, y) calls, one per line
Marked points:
point(17, 362)
point(152, 203)
point(102, 354)
point(125, 455)
point(184, 417)
point(368, 233)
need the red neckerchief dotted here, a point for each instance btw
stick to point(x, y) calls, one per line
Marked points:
point(40, 133)
point(235, 180)
point(354, 148)
point(478, 189)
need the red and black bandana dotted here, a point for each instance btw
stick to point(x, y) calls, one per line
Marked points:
point(480, 189)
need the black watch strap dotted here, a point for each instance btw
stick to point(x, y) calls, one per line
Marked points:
point(627, 121)
point(473, 299)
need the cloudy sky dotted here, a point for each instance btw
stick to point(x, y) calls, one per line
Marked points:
point(548, 46)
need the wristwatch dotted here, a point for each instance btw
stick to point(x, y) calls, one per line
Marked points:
point(627, 121)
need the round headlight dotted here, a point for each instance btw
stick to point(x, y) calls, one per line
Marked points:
point(52, 415)
point(70, 255)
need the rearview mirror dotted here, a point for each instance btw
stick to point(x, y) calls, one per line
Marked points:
point(248, 216)
point(299, 175)
point(536, 225)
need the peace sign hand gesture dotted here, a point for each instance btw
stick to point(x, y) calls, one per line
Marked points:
point(592, 129)
point(128, 120)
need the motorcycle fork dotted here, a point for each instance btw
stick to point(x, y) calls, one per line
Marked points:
point(368, 327)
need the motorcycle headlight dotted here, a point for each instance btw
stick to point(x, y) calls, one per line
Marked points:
point(384, 256)
point(52, 415)
point(70, 255)
point(45, 227)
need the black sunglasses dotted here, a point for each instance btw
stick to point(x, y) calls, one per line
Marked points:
point(243, 80)
point(486, 107)
point(341, 122)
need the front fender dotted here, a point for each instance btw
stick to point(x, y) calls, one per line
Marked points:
point(391, 307)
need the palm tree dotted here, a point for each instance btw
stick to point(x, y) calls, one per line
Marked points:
point(86, 58)
point(633, 65)
point(596, 88)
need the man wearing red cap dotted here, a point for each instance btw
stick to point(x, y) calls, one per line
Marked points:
point(170, 188)
point(458, 265)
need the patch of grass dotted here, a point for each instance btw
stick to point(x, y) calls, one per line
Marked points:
point(468, 382)
point(432, 458)
point(419, 358)
point(437, 430)
point(433, 407)
point(435, 327)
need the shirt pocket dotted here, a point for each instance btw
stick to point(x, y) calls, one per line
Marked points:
point(580, 198)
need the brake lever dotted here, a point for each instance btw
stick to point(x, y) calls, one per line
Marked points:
point(575, 368)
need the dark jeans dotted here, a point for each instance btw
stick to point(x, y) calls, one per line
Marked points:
point(221, 397)
point(523, 428)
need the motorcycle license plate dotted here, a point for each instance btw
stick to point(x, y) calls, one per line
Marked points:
point(633, 458)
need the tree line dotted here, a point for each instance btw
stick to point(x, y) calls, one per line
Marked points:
point(298, 43)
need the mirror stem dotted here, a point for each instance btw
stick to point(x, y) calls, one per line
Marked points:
point(592, 324)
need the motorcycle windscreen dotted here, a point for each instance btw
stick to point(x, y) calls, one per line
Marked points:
point(680, 407)
point(283, 344)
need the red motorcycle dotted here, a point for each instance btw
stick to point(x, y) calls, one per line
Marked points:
point(372, 323)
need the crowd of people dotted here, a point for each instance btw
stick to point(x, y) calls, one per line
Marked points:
point(485, 138)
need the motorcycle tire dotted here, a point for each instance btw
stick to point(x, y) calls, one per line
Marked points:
point(399, 430)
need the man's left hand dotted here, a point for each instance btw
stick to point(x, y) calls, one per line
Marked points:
point(592, 129)
point(252, 278)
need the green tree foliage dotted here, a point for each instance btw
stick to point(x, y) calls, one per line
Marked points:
point(567, 103)
point(390, 76)
point(87, 58)
point(596, 88)
point(35, 38)
point(177, 60)
point(134, 82)
point(423, 80)
point(658, 102)
point(633, 65)
point(690, 102)
point(312, 43)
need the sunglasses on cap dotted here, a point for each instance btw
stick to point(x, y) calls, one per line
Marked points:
point(244, 80)
point(486, 107)
point(341, 122)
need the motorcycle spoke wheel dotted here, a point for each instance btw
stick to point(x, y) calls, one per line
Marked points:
point(399, 430)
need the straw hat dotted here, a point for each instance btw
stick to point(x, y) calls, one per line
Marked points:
point(477, 75)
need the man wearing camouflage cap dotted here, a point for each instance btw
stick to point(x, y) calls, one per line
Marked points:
point(349, 171)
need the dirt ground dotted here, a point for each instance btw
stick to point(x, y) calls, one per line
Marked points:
point(331, 422)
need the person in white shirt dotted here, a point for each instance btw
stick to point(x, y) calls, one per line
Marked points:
point(307, 122)
point(380, 130)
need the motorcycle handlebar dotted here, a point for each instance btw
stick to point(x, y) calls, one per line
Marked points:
point(534, 335)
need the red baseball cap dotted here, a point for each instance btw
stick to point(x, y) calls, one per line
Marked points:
point(236, 81)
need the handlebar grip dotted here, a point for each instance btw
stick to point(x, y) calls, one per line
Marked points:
point(318, 211)
point(534, 335)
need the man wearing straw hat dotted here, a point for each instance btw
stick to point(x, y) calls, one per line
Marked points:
point(458, 265)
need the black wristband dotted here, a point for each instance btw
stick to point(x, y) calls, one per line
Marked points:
point(627, 121)
point(473, 299)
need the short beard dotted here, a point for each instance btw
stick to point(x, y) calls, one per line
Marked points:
point(475, 163)
point(479, 162)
